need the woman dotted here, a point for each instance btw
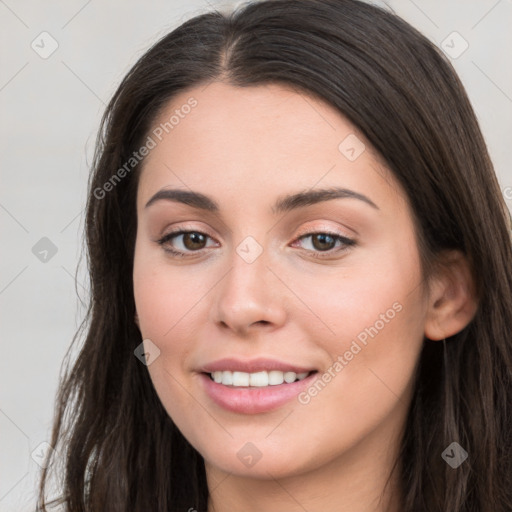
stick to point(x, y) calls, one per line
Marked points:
point(300, 276)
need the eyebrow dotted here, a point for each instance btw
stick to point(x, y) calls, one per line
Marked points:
point(283, 204)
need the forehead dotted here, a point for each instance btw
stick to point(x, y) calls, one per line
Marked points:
point(218, 137)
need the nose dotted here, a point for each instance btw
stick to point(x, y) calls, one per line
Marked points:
point(250, 297)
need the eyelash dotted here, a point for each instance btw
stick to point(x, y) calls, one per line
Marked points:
point(347, 242)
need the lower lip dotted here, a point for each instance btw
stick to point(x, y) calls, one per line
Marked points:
point(253, 400)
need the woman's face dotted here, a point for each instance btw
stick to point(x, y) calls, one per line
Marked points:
point(300, 255)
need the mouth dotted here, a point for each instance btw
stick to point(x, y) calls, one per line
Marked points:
point(251, 386)
point(261, 379)
point(254, 393)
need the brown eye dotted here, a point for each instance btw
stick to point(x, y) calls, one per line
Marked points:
point(323, 241)
point(181, 243)
point(322, 244)
point(193, 240)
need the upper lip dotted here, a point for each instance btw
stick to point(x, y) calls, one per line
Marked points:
point(252, 366)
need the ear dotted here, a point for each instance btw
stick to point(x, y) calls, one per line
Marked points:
point(452, 299)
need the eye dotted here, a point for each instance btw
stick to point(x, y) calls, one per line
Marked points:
point(185, 242)
point(181, 243)
point(325, 242)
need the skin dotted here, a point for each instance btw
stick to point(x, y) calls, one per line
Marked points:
point(245, 148)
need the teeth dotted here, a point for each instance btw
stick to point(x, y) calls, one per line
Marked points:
point(275, 378)
point(259, 379)
point(240, 379)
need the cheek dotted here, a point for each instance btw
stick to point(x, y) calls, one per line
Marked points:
point(165, 307)
point(171, 307)
point(164, 294)
point(371, 320)
point(382, 292)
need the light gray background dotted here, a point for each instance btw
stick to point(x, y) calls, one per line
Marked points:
point(50, 113)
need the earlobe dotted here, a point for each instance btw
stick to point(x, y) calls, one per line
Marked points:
point(452, 299)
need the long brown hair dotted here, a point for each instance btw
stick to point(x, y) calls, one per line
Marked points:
point(120, 451)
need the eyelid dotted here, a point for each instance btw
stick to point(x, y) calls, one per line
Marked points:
point(322, 229)
point(187, 228)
